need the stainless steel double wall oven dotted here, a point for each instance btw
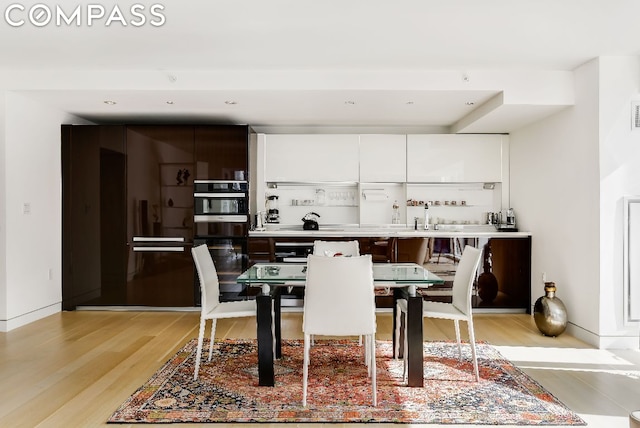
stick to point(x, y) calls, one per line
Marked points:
point(221, 220)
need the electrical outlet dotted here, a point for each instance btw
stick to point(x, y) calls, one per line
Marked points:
point(50, 274)
point(544, 277)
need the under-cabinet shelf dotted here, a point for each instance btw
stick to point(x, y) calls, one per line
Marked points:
point(323, 206)
point(442, 206)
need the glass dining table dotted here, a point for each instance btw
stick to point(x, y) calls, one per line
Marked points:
point(403, 278)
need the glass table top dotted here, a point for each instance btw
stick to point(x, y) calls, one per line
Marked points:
point(393, 273)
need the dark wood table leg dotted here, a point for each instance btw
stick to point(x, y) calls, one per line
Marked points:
point(265, 340)
point(277, 322)
point(414, 336)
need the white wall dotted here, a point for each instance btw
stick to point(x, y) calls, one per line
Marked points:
point(3, 217)
point(555, 193)
point(619, 176)
point(569, 174)
point(33, 242)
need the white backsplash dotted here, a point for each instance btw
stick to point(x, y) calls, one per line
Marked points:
point(340, 204)
point(459, 203)
point(370, 204)
point(376, 203)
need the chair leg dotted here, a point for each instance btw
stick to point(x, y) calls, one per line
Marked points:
point(372, 368)
point(456, 323)
point(367, 354)
point(305, 369)
point(213, 335)
point(405, 362)
point(405, 356)
point(472, 341)
point(397, 332)
point(199, 349)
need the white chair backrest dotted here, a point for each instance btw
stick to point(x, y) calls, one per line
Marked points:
point(329, 248)
point(463, 280)
point(339, 296)
point(209, 285)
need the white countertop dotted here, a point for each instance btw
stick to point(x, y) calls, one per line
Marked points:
point(444, 231)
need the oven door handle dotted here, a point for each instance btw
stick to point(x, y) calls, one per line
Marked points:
point(220, 195)
point(160, 249)
point(220, 218)
point(158, 239)
point(294, 260)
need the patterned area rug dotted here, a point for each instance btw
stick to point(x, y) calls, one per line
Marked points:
point(339, 389)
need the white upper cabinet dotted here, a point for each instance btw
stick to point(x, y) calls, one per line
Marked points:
point(383, 158)
point(456, 158)
point(296, 157)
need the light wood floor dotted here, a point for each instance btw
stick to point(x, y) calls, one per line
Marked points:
point(74, 369)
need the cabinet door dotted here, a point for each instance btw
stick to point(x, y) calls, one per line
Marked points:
point(160, 172)
point(383, 158)
point(221, 152)
point(92, 213)
point(454, 158)
point(81, 216)
point(311, 158)
point(160, 204)
point(260, 250)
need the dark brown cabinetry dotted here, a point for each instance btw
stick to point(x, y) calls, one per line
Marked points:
point(128, 209)
point(160, 168)
point(261, 250)
point(508, 264)
point(509, 261)
point(225, 159)
point(93, 226)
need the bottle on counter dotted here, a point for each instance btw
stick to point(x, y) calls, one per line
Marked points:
point(511, 217)
point(395, 213)
point(426, 216)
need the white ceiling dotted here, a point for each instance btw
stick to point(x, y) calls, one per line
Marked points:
point(284, 62)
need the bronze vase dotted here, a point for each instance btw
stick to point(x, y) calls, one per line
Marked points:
point(549, 312)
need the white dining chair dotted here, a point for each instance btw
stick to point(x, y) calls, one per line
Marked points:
point(336, 248)
point(212, 308)
point(352, 313)
point(458, 310)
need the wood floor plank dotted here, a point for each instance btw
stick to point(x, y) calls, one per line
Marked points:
point(76, 368)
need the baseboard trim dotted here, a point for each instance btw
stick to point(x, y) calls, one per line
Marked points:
point(140, 308)
point(603, 342)
point(29, 317)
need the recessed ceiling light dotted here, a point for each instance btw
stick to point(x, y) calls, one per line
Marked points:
point(231, 102)
point(469, 103)
point(350, 103)
point(409, 102)
point(170, 102)
point(109, 102)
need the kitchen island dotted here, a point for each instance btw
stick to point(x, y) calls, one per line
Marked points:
point(504, 276)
